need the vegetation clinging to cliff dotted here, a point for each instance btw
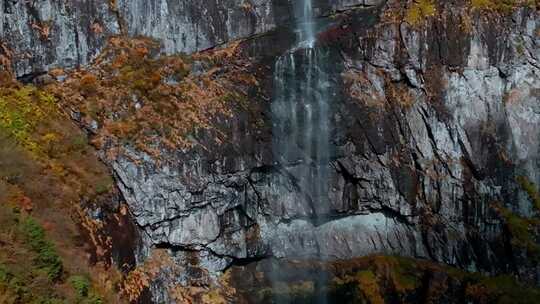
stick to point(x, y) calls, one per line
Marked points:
point(524, 231)
point(46, 169)
point(503, 6)
point(136, 98)
point(381, 279)
point(22, 109)
point(418, 11)
point(531, 191)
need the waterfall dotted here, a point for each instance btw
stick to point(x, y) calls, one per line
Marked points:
point(301, 117)
point(300, 108)
point(306, 24)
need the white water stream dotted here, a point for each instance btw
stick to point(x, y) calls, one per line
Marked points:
point(301, 116)
point(301, 112)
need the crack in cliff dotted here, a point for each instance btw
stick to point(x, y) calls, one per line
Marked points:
point(348, 176)
point(113, 7)
point(433, 142)
point(427, 244)
point(77, 44)
point(388, 212)
point(124, 186)
point(399, 239)
point(230, 260)
point(385, 210)
point(318, 220)
point(370, 143)
point(30, 77)
point(246, 261)
point(267, 169)
point(477, 174)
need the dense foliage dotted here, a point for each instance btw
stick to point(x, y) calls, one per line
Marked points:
point(46, 169)
point(132, 96)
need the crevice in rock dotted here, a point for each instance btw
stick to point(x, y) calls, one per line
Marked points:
point(370, 143)
point(30, 6)
point(427, 244)
point(319, 219)
point(477, 174)
point(77, 44)
point(348, 176)
point(113, 7)
point(391, 213)
point(8, 6)
point(233, 260)
point(424, 115)
point(30, 77)
point(245, 261)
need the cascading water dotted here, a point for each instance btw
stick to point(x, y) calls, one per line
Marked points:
point(301, 117)
point(301, 111)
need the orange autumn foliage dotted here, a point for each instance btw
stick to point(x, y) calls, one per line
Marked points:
point(153, 103)
point(141, 277)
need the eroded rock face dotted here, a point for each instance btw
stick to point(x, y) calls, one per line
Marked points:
point(187, 26)
point(40, 35)
point(432, 130)
point(432, 126)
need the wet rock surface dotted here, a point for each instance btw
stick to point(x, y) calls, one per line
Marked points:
point(429, 133)
point(432, 126)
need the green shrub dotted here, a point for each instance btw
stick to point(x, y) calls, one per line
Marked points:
point(4, 274)
point(18, 286)
point(47, 258)
point(104, 185)
point(92, 299)
point(522, 232)
point(80, 284)
point(79, 142)
point(51, 301)
point(531, 190)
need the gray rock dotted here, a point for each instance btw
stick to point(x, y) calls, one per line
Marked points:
point(46, 34)
point(434, 129)
point(414, 174)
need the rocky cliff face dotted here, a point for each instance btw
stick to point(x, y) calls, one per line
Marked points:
point(41, 35)
point(434, 125)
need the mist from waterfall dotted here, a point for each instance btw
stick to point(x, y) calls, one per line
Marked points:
point(301, 115)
